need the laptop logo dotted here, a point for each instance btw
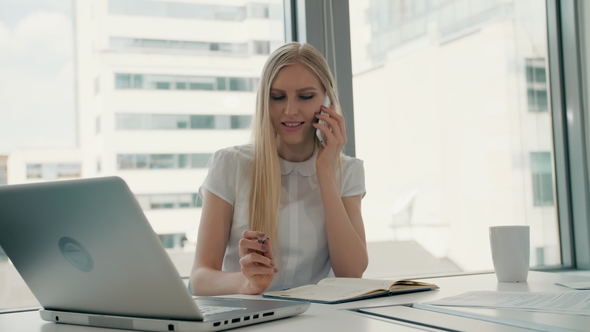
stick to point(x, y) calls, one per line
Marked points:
point(75, 254)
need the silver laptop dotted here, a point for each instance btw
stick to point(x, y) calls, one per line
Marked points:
point(89, 255)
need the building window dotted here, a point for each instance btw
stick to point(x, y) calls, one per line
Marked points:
point(71, 170)
point(34, 171)
point(542, 178)
point(177, 46)
point(170, 82)
point(162, 161)
point(181, 121)
point(536, 81)
point(3, 170)
point(261, 47)
point(176, 9)
point(258, 10)
point(51, 171)
point(173, 241)
point(169, 201)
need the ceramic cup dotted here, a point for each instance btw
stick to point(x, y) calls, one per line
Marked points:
point(510, 252)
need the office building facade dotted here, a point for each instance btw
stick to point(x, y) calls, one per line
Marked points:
point(161, 86)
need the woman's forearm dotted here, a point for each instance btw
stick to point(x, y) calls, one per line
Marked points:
point(348, 250)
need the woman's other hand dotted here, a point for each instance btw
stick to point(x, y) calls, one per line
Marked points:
point(257, 261)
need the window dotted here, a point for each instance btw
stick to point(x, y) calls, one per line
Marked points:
point(261, 47)
point(536, 80)
point(454, 128)
point(542, 178)
point(155, 118)
point(181, 122)
point(176, 10)
point(172, 241)
point(258, 10)
point(52, 171)
point(34, 171)
point(3, 170)
point(167, 82)
point(240, 121)
point(162, 161)
point(169, 201)
point(72, 170)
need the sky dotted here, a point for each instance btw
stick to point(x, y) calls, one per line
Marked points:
point(36, 74)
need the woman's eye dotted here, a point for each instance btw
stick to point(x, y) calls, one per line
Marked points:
point(306, 97)
point(277, 98)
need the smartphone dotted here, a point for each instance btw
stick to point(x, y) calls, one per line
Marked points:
point(318, 132)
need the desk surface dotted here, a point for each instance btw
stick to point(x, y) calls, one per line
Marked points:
point(335, 317)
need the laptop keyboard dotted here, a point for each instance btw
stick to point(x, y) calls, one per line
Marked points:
point(208, 310)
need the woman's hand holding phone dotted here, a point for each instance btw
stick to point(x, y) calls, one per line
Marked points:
point(332, 130)
point(318, 132)
point(257, 261)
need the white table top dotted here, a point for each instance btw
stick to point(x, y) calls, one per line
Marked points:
point(323, 317)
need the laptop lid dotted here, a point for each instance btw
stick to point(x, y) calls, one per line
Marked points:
point(86, 246)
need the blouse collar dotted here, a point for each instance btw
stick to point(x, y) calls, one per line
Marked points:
point(305, 168)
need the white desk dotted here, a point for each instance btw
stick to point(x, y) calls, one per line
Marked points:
point(322, 317)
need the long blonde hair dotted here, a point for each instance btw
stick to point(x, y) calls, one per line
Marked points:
point(265, 192)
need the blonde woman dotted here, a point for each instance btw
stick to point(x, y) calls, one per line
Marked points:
point(284, 211)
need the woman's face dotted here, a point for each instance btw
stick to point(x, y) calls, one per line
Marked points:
point(296, 95)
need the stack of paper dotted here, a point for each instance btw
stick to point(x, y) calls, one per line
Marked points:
point(569, 302)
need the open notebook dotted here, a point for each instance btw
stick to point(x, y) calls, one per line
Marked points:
point(338, 290)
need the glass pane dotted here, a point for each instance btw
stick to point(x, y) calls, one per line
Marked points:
point(154, 140)
point(202, 121)
point(240, 121)
point(162, 161)
point(34, 171)
point(131, 121)
point(163, 121)
point(141, 161)
point(154, 43)
point(238, 84)
point(68, 170)
point(125, 161)
point(222, 122)
point(183, 161)
point(450, 101)
point(163, 201)
point(122, 81)
point(185, 201)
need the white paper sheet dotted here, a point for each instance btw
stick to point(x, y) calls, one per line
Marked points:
point(575, 285)
point(569, 302)
point(498, 320)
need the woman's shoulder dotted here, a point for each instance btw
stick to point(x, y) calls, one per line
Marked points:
point(348, 161)
point(235, 153)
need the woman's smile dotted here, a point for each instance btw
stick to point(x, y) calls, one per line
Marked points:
point(292, 126)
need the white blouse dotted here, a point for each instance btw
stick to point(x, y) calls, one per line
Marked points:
point(304, 257)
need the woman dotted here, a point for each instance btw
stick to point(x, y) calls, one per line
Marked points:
point(283, 211)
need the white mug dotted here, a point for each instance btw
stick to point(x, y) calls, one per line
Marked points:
point(510, 252)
